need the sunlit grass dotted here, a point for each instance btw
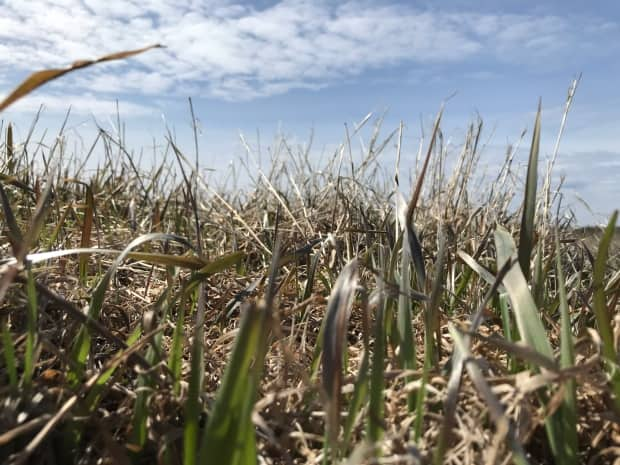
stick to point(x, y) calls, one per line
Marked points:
point(311, 315)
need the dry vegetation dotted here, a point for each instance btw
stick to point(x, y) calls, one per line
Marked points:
point(314, 315)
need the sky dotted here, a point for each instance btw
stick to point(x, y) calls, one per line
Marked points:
point(292, 68)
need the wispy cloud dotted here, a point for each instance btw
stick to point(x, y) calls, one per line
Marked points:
point(237, 52)
point(85, 104)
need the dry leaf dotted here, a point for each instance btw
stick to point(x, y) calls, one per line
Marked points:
point(38, 78)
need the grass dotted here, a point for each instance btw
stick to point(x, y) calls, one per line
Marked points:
point(310, 315)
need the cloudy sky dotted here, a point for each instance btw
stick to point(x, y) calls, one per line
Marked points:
point(293, 66)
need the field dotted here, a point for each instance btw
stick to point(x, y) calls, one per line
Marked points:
point(314, 315)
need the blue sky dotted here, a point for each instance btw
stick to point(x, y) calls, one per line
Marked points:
point(293, 66)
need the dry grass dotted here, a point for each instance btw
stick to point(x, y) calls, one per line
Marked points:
point(198, 349)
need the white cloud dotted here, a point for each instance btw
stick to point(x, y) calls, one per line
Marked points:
point(83, 104)
point(233, 51)
point(131, 80)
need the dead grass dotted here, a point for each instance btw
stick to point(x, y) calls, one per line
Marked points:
point(328, 215)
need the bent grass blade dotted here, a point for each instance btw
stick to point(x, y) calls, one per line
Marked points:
point(334, 337)
point(526, 239)
point(37, 79)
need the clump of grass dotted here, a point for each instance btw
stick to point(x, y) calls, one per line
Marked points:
point(195, 332)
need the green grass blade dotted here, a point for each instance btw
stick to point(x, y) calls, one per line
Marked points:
point(568, 410)
point(507, 326)
point(13, 232)
point(334, 347)
point(221, 263)
point(311, 275)
point(538, 280)
point(377, 380)
point(38, 218)
point(529, 325)
point(229, 438)
point(404, 325)
point(176, 351)
point(193, 405)
point(463, 283)
point(225, 437)
point(431, 320)
point(31, 335)
point(415, 249)
point(413, 203)
point(526, 239)
point(317, 351)
point(87, 228)
point(431, 328)
point(145, 382)
point(605, 318)
point(481, 271)
point(389, 266)
point(526, 314)
point(360, 390)
point(416, 256)
point(139, 431)
point(10, 159)
point(360, 393)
